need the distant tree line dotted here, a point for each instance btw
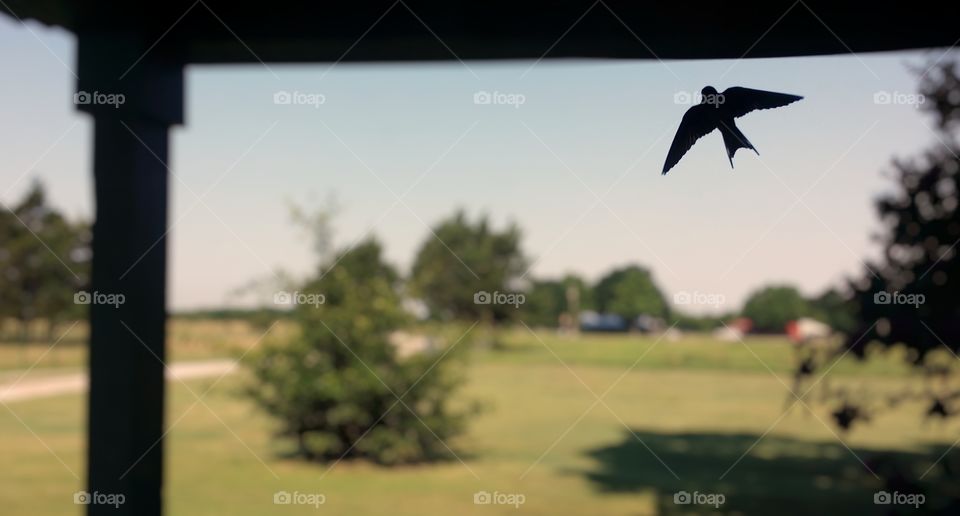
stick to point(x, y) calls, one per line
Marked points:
point(771, 308)
point(463, 258)
point(45, 259)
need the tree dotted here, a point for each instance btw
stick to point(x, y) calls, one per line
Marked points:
point(546, 300)
point(907, 300)
point(462, 259)
point(910, 297)
point(334, 387)
point(549, 300)
point(771, 308)
point(44, 260)
point(628, 292)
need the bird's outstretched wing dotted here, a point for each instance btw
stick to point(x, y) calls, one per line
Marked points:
point(697, 122)
point(740, 101)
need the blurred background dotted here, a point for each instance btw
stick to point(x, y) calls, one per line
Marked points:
point(466, 288)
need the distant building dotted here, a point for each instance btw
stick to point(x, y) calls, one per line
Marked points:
point(805, 329)
point(733, 330)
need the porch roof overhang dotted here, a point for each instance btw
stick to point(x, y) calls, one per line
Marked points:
point(215, 31)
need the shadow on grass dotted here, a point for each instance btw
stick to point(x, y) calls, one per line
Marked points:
point(777, 476)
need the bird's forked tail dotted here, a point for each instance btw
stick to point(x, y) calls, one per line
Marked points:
point(734, 139)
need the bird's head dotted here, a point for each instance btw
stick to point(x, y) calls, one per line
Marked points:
point(708, 92)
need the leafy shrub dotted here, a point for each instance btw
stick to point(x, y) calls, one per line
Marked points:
point(335, 387)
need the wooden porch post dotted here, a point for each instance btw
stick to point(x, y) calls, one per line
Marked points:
point(134, 97)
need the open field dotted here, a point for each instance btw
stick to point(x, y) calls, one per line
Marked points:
point(694, 415)
point(188, 340)
point(191, 339)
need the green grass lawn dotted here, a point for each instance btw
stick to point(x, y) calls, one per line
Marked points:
point(676, 421)
point(692, 351)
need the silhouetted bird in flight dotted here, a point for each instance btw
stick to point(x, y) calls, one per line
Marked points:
point(717, 111)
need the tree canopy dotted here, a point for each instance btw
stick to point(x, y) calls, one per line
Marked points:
point(629, 292)
point(910, 296)
point(44, 261)
point(771, 308)
point(462, 259)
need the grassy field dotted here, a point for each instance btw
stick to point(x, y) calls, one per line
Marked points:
point(189, 340)
point(694, 415)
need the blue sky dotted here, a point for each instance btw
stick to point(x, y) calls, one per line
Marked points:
point(576, 165)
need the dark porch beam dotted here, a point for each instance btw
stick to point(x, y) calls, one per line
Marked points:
point(227, 31)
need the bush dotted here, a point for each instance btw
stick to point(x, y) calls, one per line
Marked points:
point(334, 387)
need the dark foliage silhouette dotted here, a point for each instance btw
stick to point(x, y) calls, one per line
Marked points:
point(908, 299)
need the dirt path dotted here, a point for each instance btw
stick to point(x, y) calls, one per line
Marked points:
point(25, 389)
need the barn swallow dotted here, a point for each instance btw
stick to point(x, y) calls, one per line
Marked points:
point(717, 111)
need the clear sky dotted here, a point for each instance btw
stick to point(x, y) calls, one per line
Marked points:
point(576, 165)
